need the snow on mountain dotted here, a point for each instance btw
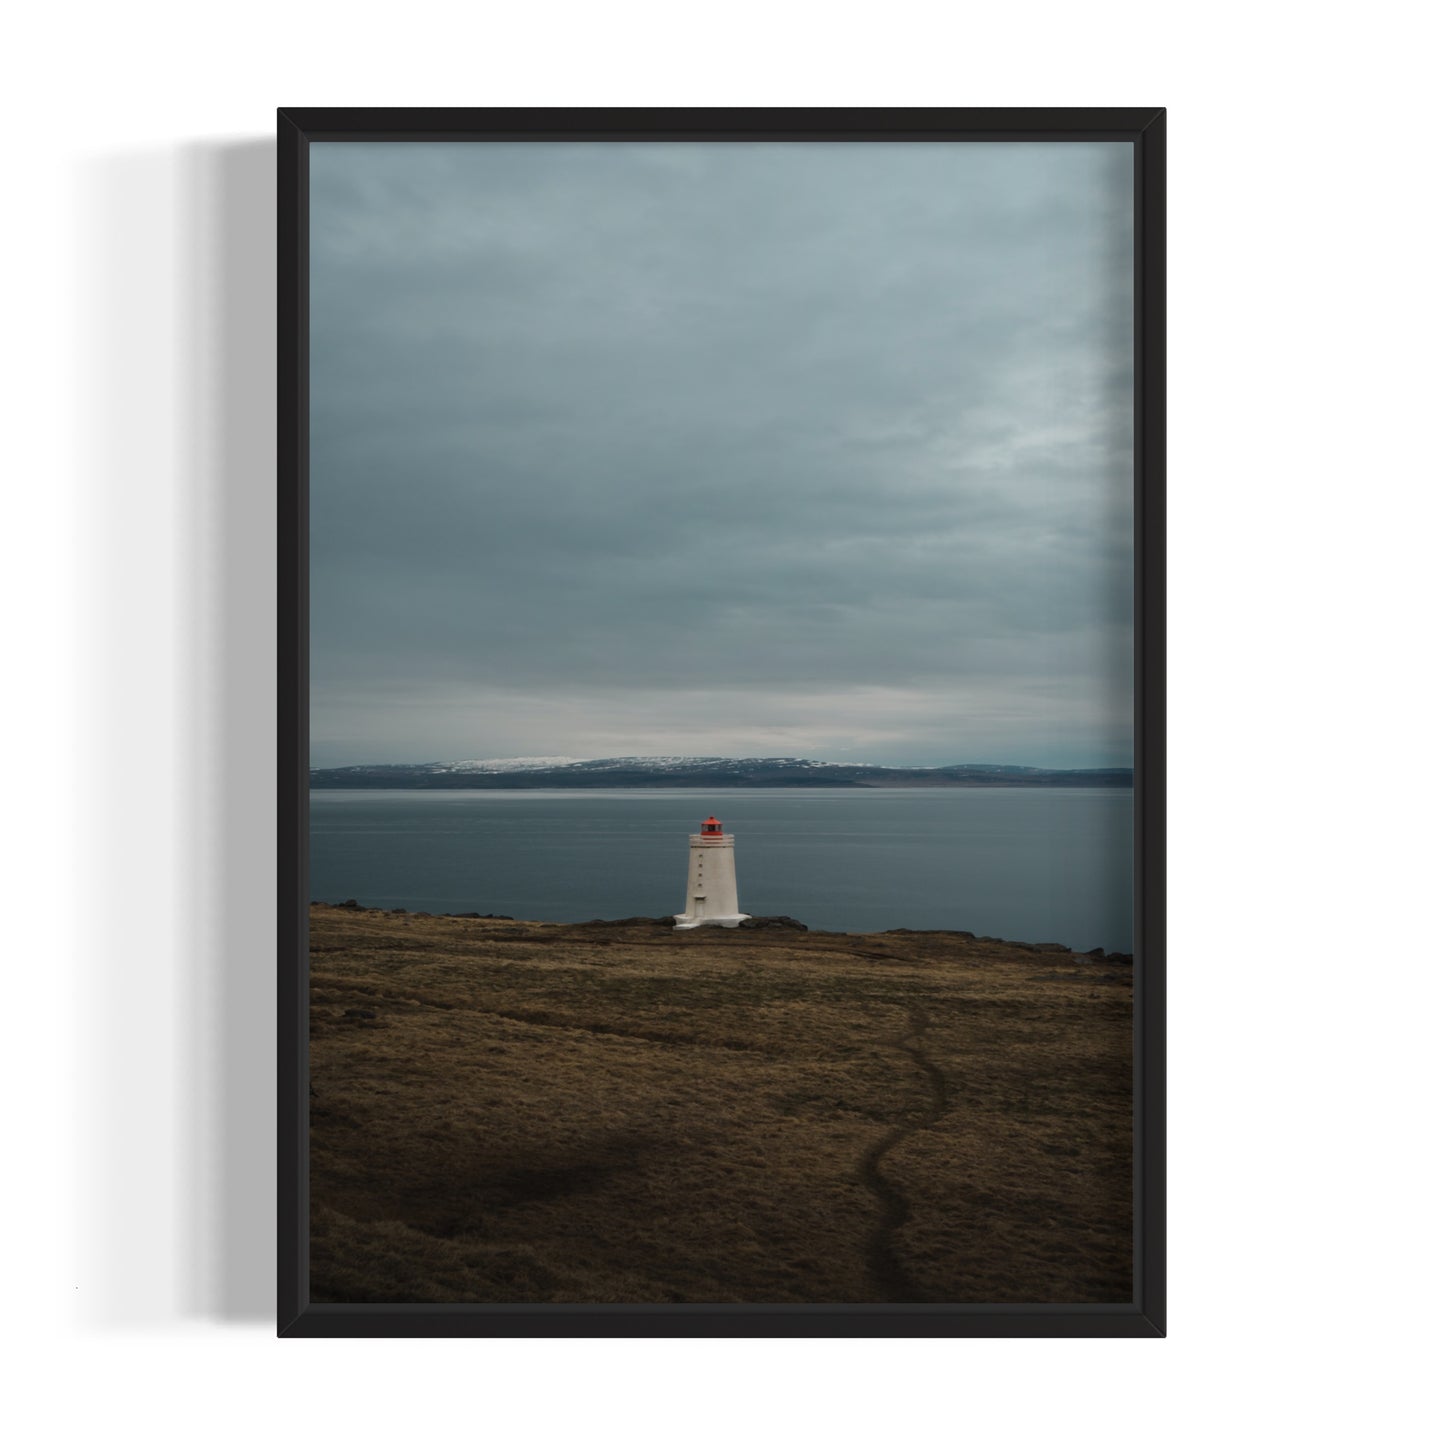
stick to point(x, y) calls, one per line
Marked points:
point(660, 764)
point(673, 764)
point(509, 764)
point(493, 765)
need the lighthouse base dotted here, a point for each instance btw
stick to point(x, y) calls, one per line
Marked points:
point(681, 922)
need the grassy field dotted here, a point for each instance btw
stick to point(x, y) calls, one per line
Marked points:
point(615, 1112)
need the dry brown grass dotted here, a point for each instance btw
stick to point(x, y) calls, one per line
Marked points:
point(621, 1113)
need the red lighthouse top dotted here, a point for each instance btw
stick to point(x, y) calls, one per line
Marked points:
point(712, 827)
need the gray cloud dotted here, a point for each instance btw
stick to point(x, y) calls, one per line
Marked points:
point(722, 448)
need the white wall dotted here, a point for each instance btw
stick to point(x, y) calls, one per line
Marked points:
point(1305, 811)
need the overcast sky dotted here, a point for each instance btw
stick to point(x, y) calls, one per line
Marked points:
point(733, 449)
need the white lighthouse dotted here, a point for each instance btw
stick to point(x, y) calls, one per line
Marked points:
point(712, 881)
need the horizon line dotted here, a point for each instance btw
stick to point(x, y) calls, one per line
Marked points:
point(557, 763)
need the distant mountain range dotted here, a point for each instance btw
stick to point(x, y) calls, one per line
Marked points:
point(534, 773)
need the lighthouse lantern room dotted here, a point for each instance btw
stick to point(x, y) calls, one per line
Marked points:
point(712, 884)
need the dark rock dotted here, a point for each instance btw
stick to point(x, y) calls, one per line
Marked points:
point(788, 923)
point(931, 932)
point(1051, 947)
point(1125, 959)
point(1094, 952)
point(365, 1013)
point(349, 902)
point(395, 910)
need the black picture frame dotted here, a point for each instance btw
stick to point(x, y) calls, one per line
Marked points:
point(1144, 1316)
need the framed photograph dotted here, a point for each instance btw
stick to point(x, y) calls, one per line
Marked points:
point(721, 722)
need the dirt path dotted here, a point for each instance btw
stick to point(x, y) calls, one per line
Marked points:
point(888, 1274)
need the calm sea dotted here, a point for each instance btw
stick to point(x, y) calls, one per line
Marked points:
point(1047, 865)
